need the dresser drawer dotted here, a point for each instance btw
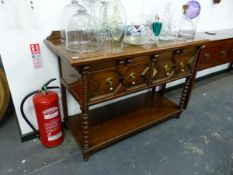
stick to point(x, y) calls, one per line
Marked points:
point(214, 54)
point(184, 61)
point(163, 67)
point(104, 82)
point(136, 73)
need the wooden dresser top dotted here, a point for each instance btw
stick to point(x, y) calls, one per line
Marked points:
point(219, 35)
point(75, 59)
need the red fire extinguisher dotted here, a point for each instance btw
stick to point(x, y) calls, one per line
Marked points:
point(46, 105)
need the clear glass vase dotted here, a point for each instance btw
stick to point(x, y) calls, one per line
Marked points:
point(112, 22)
point(188, 25)
point(168, 31)
point(117, 19)
point(81, 33)
point(67, 12)
point(105, 33)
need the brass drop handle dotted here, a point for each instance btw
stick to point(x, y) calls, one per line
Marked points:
point(132, 76)
point(167, 69)
point(109, 83)
point(182, 67)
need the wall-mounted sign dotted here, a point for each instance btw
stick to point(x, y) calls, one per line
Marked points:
point(36, 55)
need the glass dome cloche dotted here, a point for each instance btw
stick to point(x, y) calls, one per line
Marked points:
point(68, 11)
point(81, 33)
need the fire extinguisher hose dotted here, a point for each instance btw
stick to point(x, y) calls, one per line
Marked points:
point(23, 114)
point(43, 89)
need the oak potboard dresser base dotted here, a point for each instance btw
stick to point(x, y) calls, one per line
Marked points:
point(96, 77)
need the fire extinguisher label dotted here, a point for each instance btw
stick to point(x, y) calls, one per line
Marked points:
point(55, 137)
point(50, 113)
point(50, 116)
point(53, 123)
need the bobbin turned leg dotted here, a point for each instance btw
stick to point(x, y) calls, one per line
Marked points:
point(189, 83)
point(184, 100)
point(85, 133)
point(184, 96)
point(85, 117)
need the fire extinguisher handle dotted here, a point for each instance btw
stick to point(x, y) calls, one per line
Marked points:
point(53, 87)
point(48, 82)
point(23, 114)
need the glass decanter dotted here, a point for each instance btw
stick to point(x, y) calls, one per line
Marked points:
point(168, 31)
point(117, 19)
point(112, 22)
point(81, 33)
point(68, 11)
point(105, 33)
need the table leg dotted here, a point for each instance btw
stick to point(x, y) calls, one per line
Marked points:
point(162, 90)
point(63, 94)
point(153, 90)
point(85, 116)
point(230, 67)
point(64, 102)
point(85, 133)
point(187, 90)
point(186, 93)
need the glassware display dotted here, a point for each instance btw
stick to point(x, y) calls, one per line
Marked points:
point(156, 26)
point(168, 31)
point(81, 33)
point(104, 26)
point(112, 22)
point(90, 7)
point(68, 11)
point(138, 31)
point(105, 34)
point(191, 11)
point(117, 19)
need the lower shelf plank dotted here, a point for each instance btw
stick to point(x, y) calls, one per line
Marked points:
point(119, 120)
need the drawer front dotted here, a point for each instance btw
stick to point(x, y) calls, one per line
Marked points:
point(121, 76)
point(105, 82)
point(215, 54)
point(184, 61)
point(163, 67)
point(136, 75)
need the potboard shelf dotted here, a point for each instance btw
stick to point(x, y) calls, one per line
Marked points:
point(119, 120)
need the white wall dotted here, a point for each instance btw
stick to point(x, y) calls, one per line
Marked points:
point(15, 40)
